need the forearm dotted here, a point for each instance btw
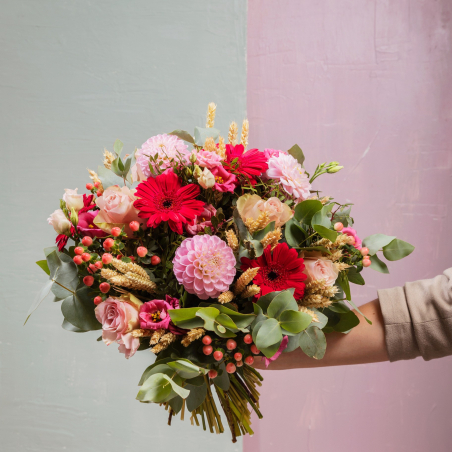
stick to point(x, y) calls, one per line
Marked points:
point(364, 344)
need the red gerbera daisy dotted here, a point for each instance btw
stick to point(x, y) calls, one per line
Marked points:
point(164, 199)
point(280, 270)
point(249, 164)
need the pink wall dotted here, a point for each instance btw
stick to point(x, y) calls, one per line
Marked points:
point(368, 83)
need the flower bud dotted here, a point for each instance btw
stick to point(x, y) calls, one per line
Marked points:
point(197, 172)
point(193, 157)
point(335, 169)
point(74, 217)
point(188, 171)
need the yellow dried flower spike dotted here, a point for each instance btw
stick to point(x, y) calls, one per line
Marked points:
point(232, 134)
point(211, 109)
point(225, 297)
point(245, 132)
point(232, 240)
point(246, 277)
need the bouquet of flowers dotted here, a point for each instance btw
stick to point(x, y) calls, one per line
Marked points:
point(207, 256)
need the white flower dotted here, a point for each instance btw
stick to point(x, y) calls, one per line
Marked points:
point(73, 199)
point(207, 179)
point(291, 176)
point(59, 222)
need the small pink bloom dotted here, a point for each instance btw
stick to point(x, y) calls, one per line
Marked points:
point(352, 233)
point(202, 221)
point(281, 348)
point(73, 199)
point(86, 224)
point(117, 318)
point(320, 268)
point(224, 181)
point(128, 345)
point(208, 159)
point(59, 222)
point(273, 153)
point(154, 315)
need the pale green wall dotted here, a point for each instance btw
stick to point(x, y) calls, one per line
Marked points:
point(74, 76)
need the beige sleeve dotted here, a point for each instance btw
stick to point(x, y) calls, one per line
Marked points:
point(418, 318)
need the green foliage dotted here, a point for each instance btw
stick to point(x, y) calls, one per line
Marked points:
point(397, 249)
point(282, 302)
point(202, 133)
point(43, 264)
point(117, 147)
point(197, 395)
point(295, 321)
point(186, 369)
point(304, 211)
point(108, 177)
point(294, 233)
point(296, 152)
point(346, 322)
point(321, 217)
point(355, 277)
point(342, 282)
point(325, 232)
point(183, 135)
point(378, 265)
point(269, 333)
point(313, 342)
point(377, 241)
point(222, 380)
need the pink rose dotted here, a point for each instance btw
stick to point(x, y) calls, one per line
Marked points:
point(224, 181)
point(251, 206)
point(59, 222)
point(352, 233)
point(128, 344)
point(116, 209)
point(154, 314)
point(208, 159)
point(73, 199)
point(202, 221)
point(117, 318)
point(318, 267)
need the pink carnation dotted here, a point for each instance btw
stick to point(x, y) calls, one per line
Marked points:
point(165, 147)
point(224, 181)
point(202, 220)
point(204, 265)
point(352, 233)
point(208, 159)
point(290, 175)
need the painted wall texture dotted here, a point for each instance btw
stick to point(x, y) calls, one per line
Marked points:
point(365, 82)
point(74, 77)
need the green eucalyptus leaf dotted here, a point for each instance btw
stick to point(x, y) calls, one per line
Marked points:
point(176, 403)
point(293, 344)
point(304, 211)
point(269, 333)
point(377, 241)
point(397, 249)
point(339, 307)
point(295, 321)
point(313, 342)
point(342, 281)
point(196, 381)
point(240, 320)
point(353, 305)
point(259, 235)
point(293, 233)
point(221, 331)
point(256, 328)
point(201, 134)
point(151, 370)
point(227, 322)
point(155, 389)
point(265, 300)
point(43, 293)
point(347, 322)
point(69, 327)
point(186, 318)
point(321, 217)
point(323, 319)
point(108, 177)
point(179, 390)
point(222, 380)
point(196, 397)
point(183, 135)
point(117, 147)
point(378, 265)
point(355, 277)
point(186, 369)
point(270, 351)
point(259, 315)
point(296, 152)
point(281, 303)
point(208, 315)
point(43, 264)
point(325, 232)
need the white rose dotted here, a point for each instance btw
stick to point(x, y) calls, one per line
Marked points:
point(207, 179)
point(73, 199)
point(59, 222)
point(317, 268)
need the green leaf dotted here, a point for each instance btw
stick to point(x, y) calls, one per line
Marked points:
point(355, 277)
point(155, 389)
point(325, 232)
point(353, 305)
point(323, 319)
point(240, 320)
point(222, 380)
point(313, 342)
point(339, 307)
point(186, 369)
point(347, 322)
point(66, 280)
point(321, 217)
point(293, 344)
point(243, 231)
point(376, 241)
point(108, 177)
point(378, 265)
point(281, 303)
point(117, 147)
point(270, 351)
point(39, 298)
point(256, 328)
point(258, 248)
point(179, 390)
point(78, 309)
point(259, 315)
point(259, 235)
point(315, 248)
point(43, 264)
point(293, 233)
point(397, 249)
point(295, 321)
point(342, 281)
point(69, 327)
point(227, 322)
point(183, 135)
point(296, 152)
point(269, 333)
point(176, 403)
point(186, 318)
point(196, 381)
point(196, 397)
point(202, 133)
point(208, 315)
point(304, 211)
point(157, 367)
point(221, 331)
point(265, 300)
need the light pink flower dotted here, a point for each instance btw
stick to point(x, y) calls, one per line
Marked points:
point(154, 315)
point(206, 180)
point(251, 206)
point(137, 173)
point(117, 318)
point(208, 159)
point(59, 222)
point(165, 147)
point(273, 153)
point(116, 209)
point(290, 175)
point(202, 221)
point(73, 199)
point(352, 233)
point(320, 268)
point(224, 181)
point(282, 347)
point(128, 345)
point(204, 265)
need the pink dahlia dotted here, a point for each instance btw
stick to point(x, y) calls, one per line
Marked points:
point(165, 147)
point(290, 175)
point(204, 265)
point(208, 159)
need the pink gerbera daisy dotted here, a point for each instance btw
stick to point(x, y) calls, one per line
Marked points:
point(165, 199)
